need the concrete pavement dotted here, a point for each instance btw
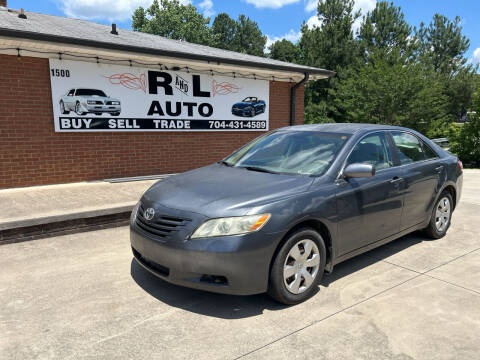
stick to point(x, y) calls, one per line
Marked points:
point(81, 296)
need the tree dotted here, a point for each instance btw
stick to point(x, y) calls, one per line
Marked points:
point(173, 20)
point(284, 50)
point(443, 44)
point(330, 46)
point(385, 30)
point(248, 37)
point(399, 94)
point(224, 29)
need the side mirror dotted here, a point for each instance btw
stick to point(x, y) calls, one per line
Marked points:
point(359, 170)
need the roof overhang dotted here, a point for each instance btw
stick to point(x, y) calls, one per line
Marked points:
point(52, 44)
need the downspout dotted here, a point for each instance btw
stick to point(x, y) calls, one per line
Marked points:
point(293, 92)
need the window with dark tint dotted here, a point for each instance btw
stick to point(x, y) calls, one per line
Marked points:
point(90, 92)
point(429, 153)
point(290, 152)
point(372, 149)
point(71, 92)
point(409, 147)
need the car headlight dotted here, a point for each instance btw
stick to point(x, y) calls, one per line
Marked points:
point(115, 102)
point(231, 226)
point(91, 102)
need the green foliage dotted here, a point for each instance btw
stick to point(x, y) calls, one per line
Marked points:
point(248, 37)
point(394, 94)
point(465, 138)
point(330, 46)
point(385, 30)
point(173, 20)
point(224, 29)
point(465, 143)
point(284, 50)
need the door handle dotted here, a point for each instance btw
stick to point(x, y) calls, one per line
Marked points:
point(439, 168)
point(396, 180)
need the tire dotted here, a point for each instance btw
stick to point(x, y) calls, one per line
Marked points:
point(62, 109)
point(283, 288)
point(77, 109)
point(98, 113)
point(252, 113)
point(441, 218)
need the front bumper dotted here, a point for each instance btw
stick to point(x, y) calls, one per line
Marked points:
point(103, 108)
point(241, 112)
point(237, 265)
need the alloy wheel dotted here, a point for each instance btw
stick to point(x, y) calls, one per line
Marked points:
point(442, 214)
point(301, 266)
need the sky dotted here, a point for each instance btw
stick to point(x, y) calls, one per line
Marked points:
point(276, 18)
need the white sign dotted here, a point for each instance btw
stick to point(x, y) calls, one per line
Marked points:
point(103, 97)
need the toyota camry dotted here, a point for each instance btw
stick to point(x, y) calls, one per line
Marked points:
point(281, 211)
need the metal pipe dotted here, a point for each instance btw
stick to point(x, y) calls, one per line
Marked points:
point(293, 92)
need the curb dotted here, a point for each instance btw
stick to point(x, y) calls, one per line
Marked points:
point(41, 227)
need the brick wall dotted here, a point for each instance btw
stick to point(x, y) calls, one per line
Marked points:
point(31, 153)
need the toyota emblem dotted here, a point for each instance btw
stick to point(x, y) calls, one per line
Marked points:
point(149, 214)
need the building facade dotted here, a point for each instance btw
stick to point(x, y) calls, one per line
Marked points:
point(34, 149)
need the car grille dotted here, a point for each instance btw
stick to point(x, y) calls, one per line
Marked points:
point(97, 102)
point(161, 226)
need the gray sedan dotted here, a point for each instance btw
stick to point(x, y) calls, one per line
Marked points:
point(284, 209)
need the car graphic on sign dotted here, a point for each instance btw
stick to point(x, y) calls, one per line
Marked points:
point(83, 101)
point(249, 107)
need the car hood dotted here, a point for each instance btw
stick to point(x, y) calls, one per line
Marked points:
point(218, 190)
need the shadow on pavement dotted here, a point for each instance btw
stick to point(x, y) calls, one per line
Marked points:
point(238, 307)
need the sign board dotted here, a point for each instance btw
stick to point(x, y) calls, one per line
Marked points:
point(103, 97)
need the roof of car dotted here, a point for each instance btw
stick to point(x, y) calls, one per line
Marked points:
point(344, 128)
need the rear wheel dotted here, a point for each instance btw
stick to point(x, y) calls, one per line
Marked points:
point(298, 267)
point(441, 216)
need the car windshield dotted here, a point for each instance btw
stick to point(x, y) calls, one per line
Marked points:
point(289, 152)
point(90, 92)
point(249, 99)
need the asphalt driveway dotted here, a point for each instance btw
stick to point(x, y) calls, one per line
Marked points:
point(82, 296)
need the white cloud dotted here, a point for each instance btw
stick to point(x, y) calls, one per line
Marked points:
point(314, 21)
point(292, 36)
point(112, 10)
point(273, 4)
point(311, 5)
point(207, 7)
point(363, 6)
point(476, 56)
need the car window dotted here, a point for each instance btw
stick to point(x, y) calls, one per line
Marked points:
point(71, 92)
point(372, 149)
point(409, 147)
point(429, 153)
point(90, 92)
point(290, 152)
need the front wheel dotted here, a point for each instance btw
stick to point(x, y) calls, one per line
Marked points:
point(298, 267)
point(441, 216)
point(78, 109)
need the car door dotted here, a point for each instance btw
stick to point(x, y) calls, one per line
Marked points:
point(369, 209)
point(421, 171)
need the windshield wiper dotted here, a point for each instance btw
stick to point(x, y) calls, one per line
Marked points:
point(223, 162)
point(254, 168)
